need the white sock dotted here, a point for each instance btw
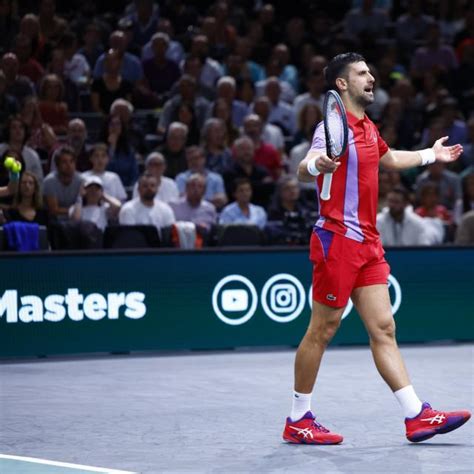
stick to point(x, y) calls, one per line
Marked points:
point(410, 403)
point(301, 404)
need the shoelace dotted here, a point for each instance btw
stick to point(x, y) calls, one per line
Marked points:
point(320, 427)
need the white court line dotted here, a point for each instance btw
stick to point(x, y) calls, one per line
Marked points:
point(65, 464)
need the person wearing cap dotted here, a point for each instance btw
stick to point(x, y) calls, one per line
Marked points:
point(111, 181)
point(93, 205)
point(155, 164)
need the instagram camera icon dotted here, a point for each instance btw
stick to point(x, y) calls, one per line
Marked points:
point(283, 298)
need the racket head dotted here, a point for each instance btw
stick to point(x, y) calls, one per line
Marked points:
point(335, 125)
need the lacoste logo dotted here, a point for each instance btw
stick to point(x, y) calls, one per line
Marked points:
point(330, 297)
point(435, 419)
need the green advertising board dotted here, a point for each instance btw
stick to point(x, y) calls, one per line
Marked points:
point(82, 303)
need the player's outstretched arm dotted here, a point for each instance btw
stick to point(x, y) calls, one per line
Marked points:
point(314, 163)
point(399, 159)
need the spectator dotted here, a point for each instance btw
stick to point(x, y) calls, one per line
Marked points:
point(449, 183)
point(174, 149)
point(271, 134)
point(281, 114)
point(27, 202)
point(214, 141)
point(310, 115)
point(130, 67)
point(366, 22)
point(398, 226)
point(193, 208)
point(94, 205)
point(215, 192)
point(160, 72)
point(243, 166)
point(28, 65)
point(110, 181)
point(144, 17)
point(289, 72)
point(454, 124)
point(61, 187)
point(52, 26)
point(466, 203)
point(272, 71)
point(18, 86)
point(186, 115)
point(266, 155)
point(111, 85)
point(155, 165)
point(243, 48)
point(53, 109)
point(16, 136)
point(8, 103)
point(121, 152)
point(145, 209)
point(242, 211)
point(221, 110)
point(465, 231)
point(76, 67)
point(187, 94)
point(226, 89)
point(92, 47)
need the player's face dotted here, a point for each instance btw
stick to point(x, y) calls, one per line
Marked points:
point(360, 83)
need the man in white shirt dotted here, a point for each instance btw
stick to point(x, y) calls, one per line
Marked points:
point(111, 182)
point(282, 113)
point(155, 164)
point(399, 226)
point(145, 210)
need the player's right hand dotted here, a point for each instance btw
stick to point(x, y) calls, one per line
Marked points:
point(326, 165)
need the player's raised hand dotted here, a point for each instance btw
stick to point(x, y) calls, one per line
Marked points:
point(446, 153)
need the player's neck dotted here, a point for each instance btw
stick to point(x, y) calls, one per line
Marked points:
point(355, 109)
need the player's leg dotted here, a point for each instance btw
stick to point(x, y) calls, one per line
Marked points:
point(323, 325)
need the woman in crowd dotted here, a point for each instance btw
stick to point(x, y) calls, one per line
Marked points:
point(53, 109)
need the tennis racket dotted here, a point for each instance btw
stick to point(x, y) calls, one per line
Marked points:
point(336, 132)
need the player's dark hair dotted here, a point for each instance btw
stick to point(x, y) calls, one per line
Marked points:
point(337, 67)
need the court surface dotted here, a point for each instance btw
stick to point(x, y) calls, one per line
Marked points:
point(222, 412)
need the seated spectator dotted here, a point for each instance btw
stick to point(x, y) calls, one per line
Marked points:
point(221, 110)
point(41, 136)
point(8, 103)
point(92, 47)
point(436, 216)
point(130, 68)
point(76, 138)
point(143, 16)
point(18, 86)
point(187, 93)
point(186, 115)
point(243, 48)
point(52, 25)
point(121, 152)
point(266, 155)
point(242, 211)
point(449, 183)
point(285, 91)
point(110, 181)
point(244, 166)
point(465, 231)
point(94, 205)
point(398, 226)
point(110, 85)
point(310, 115)
point(289, 72)
point(214, 142)
point(61, 187)
point(145, 209)
point(466, 203)
point(215, 192)
point(282, 113)
point(53, 109)
point(226, 89)
point(174, 149)
point(366, 21)
point(271, 134)
point(27, 202)
point(28, 65)
point(193, 208)
point(16, 137)
point(76, 67)
point(155, 165)
point(30, 27)
point(160, 72)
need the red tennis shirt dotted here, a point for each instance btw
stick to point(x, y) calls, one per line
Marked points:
point(352, 209)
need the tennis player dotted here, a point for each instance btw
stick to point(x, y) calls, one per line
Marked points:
point(349, 259)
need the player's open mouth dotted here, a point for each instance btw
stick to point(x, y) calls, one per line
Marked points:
point(369, 89)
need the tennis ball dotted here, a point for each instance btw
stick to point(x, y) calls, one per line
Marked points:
point(16, 167)
point(9, 162)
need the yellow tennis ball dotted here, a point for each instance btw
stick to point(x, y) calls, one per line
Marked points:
point(9, 162)
point(16, 167)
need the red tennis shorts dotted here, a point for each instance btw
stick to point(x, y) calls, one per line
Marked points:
point(341, 264)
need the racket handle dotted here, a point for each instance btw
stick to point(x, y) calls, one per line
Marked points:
point(326, 191)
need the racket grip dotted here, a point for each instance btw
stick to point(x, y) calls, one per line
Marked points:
point(326, 191)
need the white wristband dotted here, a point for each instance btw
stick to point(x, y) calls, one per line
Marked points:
point(427, 156)
point(311, 167)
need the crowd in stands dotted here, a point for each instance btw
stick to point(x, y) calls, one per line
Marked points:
point(194, 115)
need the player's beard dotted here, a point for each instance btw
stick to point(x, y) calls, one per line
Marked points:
point(362, 99)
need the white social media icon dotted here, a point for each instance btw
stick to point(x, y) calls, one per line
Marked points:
point(234, 300)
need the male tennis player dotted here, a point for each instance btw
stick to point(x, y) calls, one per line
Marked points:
point(349, 259)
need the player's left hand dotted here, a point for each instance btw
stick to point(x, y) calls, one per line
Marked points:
point(446, 153)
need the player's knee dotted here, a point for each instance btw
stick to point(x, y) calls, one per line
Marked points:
point(323, 333)
point(384, 331)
